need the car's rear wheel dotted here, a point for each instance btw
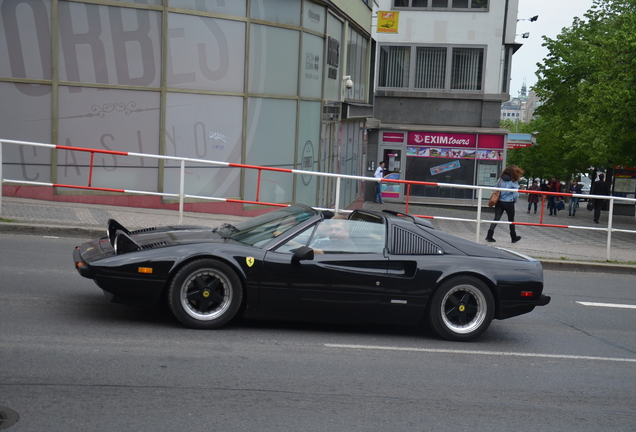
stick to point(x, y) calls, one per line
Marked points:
point(205, 294)
point(461, 309)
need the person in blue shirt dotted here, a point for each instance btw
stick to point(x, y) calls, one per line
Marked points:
point(379, 174)
point(575, 188)
point(509, 179)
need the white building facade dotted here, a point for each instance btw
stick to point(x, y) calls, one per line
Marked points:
point(442, 73)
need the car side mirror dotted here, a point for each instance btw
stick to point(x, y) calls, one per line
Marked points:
point(302, 253)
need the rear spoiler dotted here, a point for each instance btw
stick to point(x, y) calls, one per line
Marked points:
point(413, 218)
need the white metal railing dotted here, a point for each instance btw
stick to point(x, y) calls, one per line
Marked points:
point(181, 196)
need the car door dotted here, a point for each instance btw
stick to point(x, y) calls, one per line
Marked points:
point(342, 284)
point(415, 265)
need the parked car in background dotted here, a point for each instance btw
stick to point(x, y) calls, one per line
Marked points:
point(585, 189)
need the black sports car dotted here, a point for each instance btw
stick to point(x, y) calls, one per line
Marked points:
point(300, 263)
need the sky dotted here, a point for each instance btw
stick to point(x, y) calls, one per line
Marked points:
point(554, 15)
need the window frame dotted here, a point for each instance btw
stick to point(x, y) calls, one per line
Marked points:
point(448, 72)
point(449, 6)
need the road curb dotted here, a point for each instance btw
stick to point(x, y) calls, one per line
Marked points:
point(589, 267)
point(52, 230)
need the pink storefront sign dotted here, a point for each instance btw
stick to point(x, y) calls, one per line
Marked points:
point(393, 137)
point(442, 139)
point(491, 141)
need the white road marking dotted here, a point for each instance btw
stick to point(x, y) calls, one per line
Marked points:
point(610, 305)
point(491, 353)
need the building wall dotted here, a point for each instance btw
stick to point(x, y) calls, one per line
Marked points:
point(439, 112)
point(447, 110)
point(239, 81)
point(442, 28)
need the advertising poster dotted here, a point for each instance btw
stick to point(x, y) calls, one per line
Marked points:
point(452, 153)
point(388, 22)
point(391, 190)
point(445, 167)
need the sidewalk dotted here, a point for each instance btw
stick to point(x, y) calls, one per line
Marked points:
point(560, 248)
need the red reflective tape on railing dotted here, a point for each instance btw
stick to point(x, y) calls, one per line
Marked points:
point(546, 193)
point(235, 165)
point(89, 188)
point(90, 171)
point(255, 202)
point(410, 182)
point(542, 209)
point(61, 147)
point(539, 224)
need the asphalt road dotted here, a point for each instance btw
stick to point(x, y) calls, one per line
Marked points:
point(70, 361)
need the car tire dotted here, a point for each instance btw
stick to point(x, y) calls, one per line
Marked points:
point(205, 294)
point(461, 309)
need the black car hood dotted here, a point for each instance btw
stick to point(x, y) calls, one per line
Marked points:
point(177, 234)
point(122, 241)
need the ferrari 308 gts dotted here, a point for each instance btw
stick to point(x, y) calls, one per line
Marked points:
point(300, 263)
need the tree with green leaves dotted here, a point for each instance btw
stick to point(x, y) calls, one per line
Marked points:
point(588, 86)
point(535, 161)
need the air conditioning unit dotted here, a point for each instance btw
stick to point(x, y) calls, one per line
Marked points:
point(331, 111)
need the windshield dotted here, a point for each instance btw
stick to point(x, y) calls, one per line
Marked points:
point(259, 230)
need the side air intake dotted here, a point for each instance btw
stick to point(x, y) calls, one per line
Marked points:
point(407, 243)
point(154, 245)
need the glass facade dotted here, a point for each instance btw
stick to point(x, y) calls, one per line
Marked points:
point(231, 81)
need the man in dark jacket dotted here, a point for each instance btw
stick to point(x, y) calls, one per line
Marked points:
point(600, 187)
point(553, 186)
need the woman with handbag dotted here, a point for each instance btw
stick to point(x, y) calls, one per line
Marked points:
point(509, 179)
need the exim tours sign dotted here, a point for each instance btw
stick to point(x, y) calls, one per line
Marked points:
point(442, 139)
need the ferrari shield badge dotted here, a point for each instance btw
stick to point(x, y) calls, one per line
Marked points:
point(249, 261)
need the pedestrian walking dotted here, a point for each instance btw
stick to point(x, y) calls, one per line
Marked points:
point(553, 186)
point(544, 188)
point(533, 198)
point(575, 188)
point(600, 187)
point(509, 179)
point(379, 174)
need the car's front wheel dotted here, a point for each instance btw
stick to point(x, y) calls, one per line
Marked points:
point(205, 294)
point(461, 309)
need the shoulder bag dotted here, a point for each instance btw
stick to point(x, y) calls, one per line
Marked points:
point(494, 198)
